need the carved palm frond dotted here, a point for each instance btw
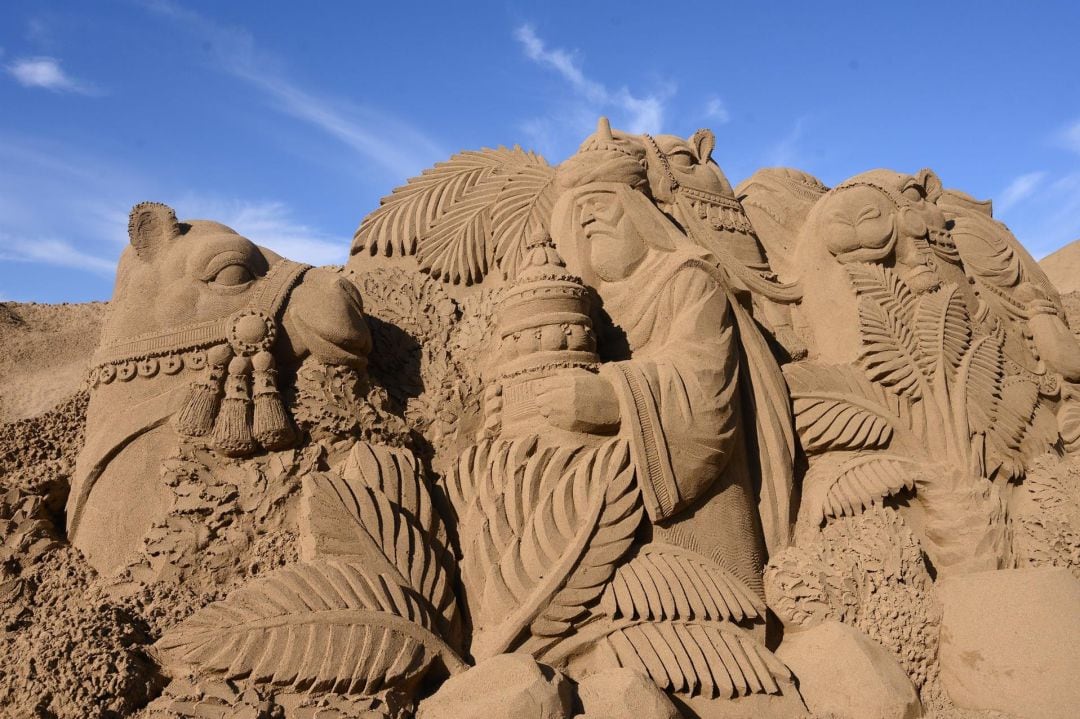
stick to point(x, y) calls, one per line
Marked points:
point(522, 207)
point(943, 329)
point(663, 581)
point(325, 626)
point(379, 514)
point(457, 247)
point(853, 485)
point(698, 658)
point(464, 215)
point(542, 536)
point(838, 408)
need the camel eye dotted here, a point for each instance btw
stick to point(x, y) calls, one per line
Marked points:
point(913, 193)
point(681, 159)
point(232, 275)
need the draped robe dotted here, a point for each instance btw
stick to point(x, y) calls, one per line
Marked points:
point(681, 409)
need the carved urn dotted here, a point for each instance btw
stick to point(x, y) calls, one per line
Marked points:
point(544, 325)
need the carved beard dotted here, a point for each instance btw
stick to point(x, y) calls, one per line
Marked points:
point(921, 277)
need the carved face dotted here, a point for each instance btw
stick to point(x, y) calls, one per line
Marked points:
point(881, 216)
point(177, 274)
point(208, 271)
point(615, 246)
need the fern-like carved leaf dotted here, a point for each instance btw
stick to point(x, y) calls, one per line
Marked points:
point(379, 513)
point(325, 626)
point(461, 216)
point(943, 328)
point(886, 288)
point(856, 484)
point(838, 408)
point(889, 353)
point(982, 372)
point(543, 536)
point(713, 659)
point(664, 582)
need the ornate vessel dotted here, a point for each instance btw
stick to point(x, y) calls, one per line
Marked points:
point(544, 326)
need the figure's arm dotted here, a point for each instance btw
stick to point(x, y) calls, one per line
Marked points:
point(1056, 343)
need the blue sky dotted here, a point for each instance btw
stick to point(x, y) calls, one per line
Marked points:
point(289, 123)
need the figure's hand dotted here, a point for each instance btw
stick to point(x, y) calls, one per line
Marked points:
point(1036, 300)
point(578, 401)
point(492, 411)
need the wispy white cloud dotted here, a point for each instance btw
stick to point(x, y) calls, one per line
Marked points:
point(1049, 218)
point(271, 224)
point(786, 151)
point(46, 73)
point(639, 113)
point(391, 143)
point(1018, 190)
point(1070, 137)
point(716, 111)
point(54, 252)
point(62, 207)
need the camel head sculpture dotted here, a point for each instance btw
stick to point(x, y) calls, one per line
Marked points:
point(200, 321)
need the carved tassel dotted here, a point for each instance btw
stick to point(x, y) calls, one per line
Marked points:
point(196, 418)
point(232, 431)
point(271, 427)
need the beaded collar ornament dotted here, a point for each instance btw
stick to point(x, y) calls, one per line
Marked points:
point(234, 400)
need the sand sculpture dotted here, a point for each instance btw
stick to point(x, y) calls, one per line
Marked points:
point(610, 438)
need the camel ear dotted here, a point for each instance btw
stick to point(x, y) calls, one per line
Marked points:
point(151, 225)
point(703, 141)
point(931, 183)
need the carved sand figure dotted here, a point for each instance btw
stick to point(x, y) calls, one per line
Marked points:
point(198, 312)
point(615, 450)
point(932, 388)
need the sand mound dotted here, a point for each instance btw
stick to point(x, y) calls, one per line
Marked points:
point(46, 350)
point(1063, 267)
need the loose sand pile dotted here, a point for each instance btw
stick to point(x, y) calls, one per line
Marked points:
point(44, 353)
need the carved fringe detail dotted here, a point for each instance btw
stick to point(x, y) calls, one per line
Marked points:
point(196, 418)
point(271, 427)
point(232, 431)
